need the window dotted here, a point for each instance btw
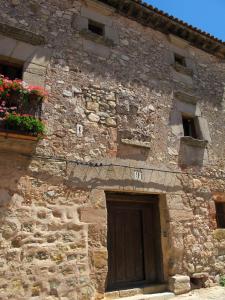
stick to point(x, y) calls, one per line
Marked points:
point(220, 214)
point(180, 60)
point(96, 28)
point(189, 127)
point(11, 70)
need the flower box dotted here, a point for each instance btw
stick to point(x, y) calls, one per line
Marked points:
point(20, 108)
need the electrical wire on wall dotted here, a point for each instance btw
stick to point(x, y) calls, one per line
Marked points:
point(102, 164)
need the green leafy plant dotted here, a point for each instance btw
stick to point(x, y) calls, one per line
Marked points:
point(222, 280)
point(24, 123)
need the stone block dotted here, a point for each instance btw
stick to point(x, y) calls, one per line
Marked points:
point(195, 154)
point(203, 129)
point(23, 51)
point(182, 78)
point(97, 198)
point(41, 56)
point(79, 22)
point(93, 106)
point(177, 41)
point(129, 293)
point(112, 295)
point(95, 16)
point(93, 117)
point(219, 234)
point(6, 46)
point(176, 123)
point(179, 284)
point(34, 79)
point(100, 259)
point(112, 34)
point(186, 97)
point(92, 215)
point(96, 49)
point(188, 108)
point(181, 215)
point(35, 69)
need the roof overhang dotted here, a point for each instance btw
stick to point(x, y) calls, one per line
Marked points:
point(149, 16)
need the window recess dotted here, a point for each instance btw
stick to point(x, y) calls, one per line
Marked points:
point(180, 65)
point(189, 126)
point(220, 214)
point(11, 70)
point(96, 28)
point(180, 60)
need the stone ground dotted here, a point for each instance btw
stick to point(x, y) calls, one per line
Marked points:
point(215, 293)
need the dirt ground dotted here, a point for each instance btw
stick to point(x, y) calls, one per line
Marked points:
point(214, 293)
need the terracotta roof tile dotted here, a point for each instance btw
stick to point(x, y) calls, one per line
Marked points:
point(168, 24)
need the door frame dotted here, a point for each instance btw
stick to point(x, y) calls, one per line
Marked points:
point(152, 199)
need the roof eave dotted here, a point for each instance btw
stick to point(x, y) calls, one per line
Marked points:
point(149, 16)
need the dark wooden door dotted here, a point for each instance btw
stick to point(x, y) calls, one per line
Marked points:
point(133, 241)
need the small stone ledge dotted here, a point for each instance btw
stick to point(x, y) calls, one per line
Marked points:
point(190, 141)
point(136, 143)
point(184, 70)
point(96, 38)
point(22, 35)
point(185, 97)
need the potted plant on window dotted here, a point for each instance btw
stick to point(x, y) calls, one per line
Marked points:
point(20, 107)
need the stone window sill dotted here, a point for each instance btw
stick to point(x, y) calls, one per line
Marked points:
point(96, 38)
point(185, 97)
point(184, 70)
point(190, 141)
point(136, 143)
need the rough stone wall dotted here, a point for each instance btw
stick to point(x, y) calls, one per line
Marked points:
point(106, 104)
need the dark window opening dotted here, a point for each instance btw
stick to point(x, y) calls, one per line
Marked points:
point(189, 127)
point(220, 214)
point(96, 27)
point(11, 70)
point(180, 60)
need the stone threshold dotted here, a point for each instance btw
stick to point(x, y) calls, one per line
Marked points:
point(145, 290)
point(157, 296)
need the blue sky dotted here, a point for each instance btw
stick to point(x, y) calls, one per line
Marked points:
point(207, 15)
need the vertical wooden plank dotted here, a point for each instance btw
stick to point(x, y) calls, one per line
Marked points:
point(149, 240)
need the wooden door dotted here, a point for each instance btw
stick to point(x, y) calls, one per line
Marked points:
point(133, 241)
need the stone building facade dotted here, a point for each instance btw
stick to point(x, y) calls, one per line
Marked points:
point(130, 174)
